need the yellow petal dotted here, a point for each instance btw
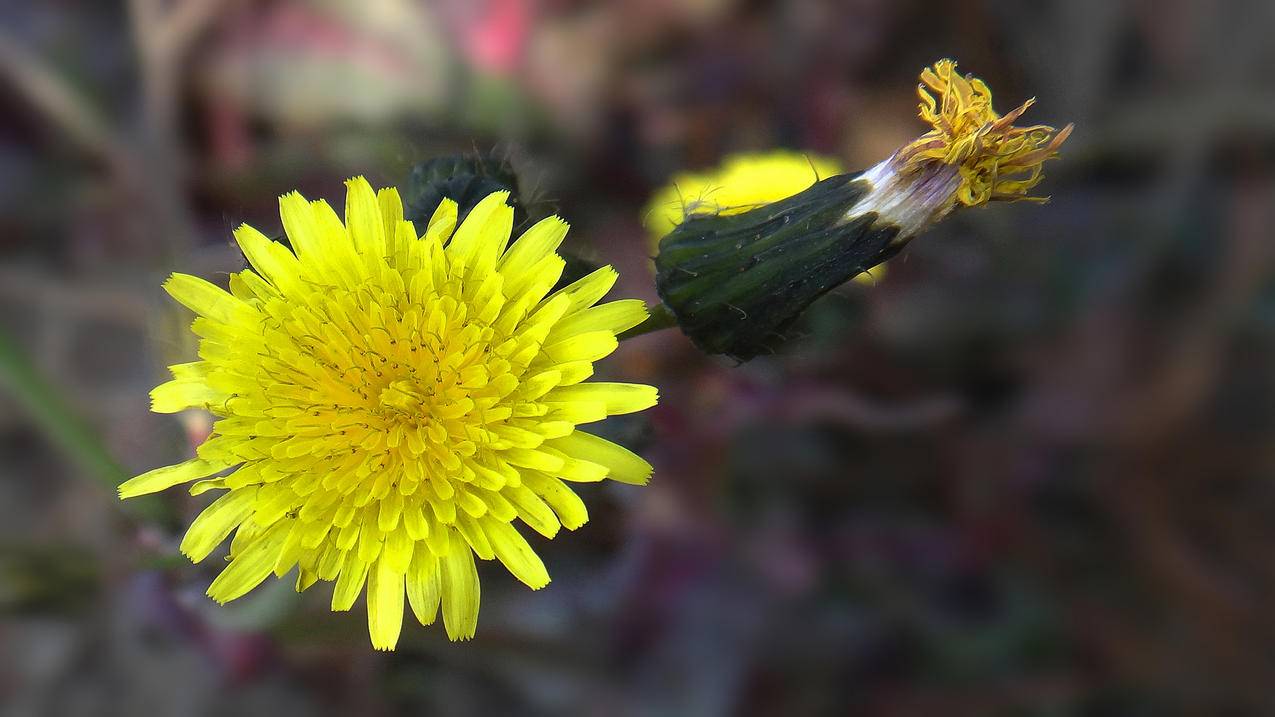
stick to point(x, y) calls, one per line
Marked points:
point(204, 486)
point(498, 507)
point(565, 503)
point(625, 465)
point(574, 372)
point(532, 510)
point(474, 535)
point(578, 471)
point(590, 289)
point(349, 582)
point(576, 412)
point(177, 395)
point(541, 240)
point(482, 236)
point(471, 503)
point(364, 218)
point(423, 589)
point(414, 520)
point(169, 476)
point(248, 568)
point(615, 316)
point(460, 590)
point(192, 371)
point(592, 346)
point(306, 577)
point(216, 521)
point(398, 549)
point(207, 299)
point(537, 460)
point(291, 551)
point(539, 384)
point(443, 222)
point(512, 550)
point(271, 259)
point(336, 251)
point(245, 536)
point(531, 285)
point(390, 510)
point(248, 286)
point(619, 398)
point(391, 206)
point(329, 565)
point(384, 605)
point(302, 229)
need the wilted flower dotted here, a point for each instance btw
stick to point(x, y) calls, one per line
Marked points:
point(972, 156)
point(735, 281)
point(390, 403)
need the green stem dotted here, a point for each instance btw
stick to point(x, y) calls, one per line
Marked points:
point(55, 418)
point(660, 318)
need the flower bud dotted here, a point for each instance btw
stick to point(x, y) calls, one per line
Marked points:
point(735, 282)
point(463, 178)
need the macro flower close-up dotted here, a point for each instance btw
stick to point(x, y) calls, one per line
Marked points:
point(638, 358)
point(389, 403)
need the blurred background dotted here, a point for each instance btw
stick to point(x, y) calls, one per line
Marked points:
point(1029, 471)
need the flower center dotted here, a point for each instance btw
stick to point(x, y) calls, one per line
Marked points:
point(403, 395)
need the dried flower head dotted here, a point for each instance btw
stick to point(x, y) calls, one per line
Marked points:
point(389, 403)
point(971, 156)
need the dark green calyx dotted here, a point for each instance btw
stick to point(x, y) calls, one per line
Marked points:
point(463, 178)
point(735, 283)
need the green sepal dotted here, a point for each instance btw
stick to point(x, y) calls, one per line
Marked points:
point(735, 283)
point(465, 179)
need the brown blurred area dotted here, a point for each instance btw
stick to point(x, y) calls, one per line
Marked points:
point(1031, 471)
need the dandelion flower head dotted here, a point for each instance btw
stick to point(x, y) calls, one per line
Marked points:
point(387, 405)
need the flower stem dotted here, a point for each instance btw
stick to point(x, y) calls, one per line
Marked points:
point(660, 318)
point(53, 415)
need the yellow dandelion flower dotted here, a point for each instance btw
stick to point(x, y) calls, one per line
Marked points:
point(386, 404)
point(742, 182)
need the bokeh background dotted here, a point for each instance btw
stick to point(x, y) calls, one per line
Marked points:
point(1029, 471)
